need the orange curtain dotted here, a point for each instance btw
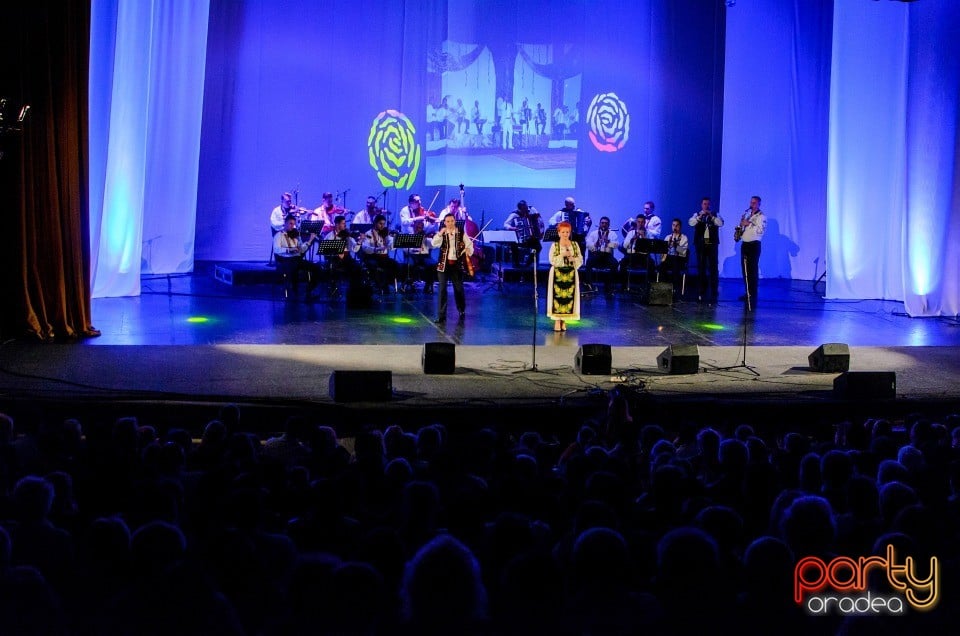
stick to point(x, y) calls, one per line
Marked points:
point(46, 252)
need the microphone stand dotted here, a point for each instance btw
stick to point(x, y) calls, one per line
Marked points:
point(536, 315)
point(746, 311)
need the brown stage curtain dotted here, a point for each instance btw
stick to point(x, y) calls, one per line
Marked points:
point(45, 162)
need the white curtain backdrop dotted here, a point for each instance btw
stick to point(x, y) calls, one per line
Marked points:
point(775, 116)
point(893, 209)
point(147, 62)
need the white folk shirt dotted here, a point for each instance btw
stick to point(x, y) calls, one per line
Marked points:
point(754, 231)
point(596, 241)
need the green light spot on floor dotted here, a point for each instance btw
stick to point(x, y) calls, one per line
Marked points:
point(712, 326)
point(198, 320)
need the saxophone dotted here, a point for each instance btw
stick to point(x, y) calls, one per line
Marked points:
point(738, 231)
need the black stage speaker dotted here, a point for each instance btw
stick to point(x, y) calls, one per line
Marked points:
point(865, 385)
point(593, 359)
point(657, 294)
point(439, 357)
point(679, 359)
point(361, 386)
point(831, 357)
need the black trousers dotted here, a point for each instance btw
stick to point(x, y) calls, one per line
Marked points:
point(604, 261)
point(291, 266)
point(452, 272)
point(708, 271)
point(671, 269)
point(750, 267)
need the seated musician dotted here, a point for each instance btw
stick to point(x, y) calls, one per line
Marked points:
point(377, 245)
point(278, 216)
point(345, 262)
point(529, 227)
point(414, 211)
point(458, 211)
point(633, 259)
point(289, 248)
point(673, 262)
point(600, 246)
point(327, 212)
point(578, 219)
point(422, 267)
point(368, 214)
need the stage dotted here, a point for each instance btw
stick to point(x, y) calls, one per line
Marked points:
point(194, 339)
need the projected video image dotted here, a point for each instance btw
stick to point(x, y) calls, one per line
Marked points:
point(507, 114)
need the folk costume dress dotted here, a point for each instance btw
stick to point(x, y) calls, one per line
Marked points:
point(563, 284)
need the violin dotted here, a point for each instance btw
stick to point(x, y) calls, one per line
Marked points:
point(471, 229)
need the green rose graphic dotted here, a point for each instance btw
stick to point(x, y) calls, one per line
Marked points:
point(394, 152)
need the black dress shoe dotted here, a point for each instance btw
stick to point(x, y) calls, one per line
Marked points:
point(440, 320)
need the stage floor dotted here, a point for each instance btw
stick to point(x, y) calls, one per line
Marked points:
point(195, 339)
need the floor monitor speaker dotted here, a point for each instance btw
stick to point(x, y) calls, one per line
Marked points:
point(439, 357)
point(361, 386)
point(593, 359)
point(865, 385)
point(679, 359)
point(831, 357)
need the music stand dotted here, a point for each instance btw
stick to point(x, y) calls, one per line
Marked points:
point(651, 246)
point(501, 238)
point(407, 241)
point(311, 227)
point(332, 247)
point(363, 228)
point(551, 235)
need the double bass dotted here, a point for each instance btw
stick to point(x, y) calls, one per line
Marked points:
point(471, 229)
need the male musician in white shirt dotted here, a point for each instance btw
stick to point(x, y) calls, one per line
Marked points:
point(529, 226)
point(706, 239)
point(327, 211)
point(420, 265)
point(413, 212)
point(568, 213)
point(344, 262)
point(754, 224)
point(377, 245)
point(506, 124)
point(456, 247)
point(368, 214)
point(653, 224)
point(672, 263)
point(601, 243)
point(634, 258)
point(278, 216)
point(458, 211)
point(288, 248)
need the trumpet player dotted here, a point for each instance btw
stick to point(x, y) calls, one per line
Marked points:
point(706, 239)
point(673, 262)
point(753, 224)
point(601, 244)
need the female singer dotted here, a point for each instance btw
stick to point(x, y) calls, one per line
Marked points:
point(563, 285)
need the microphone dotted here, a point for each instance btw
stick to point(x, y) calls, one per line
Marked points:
point(23, 113)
